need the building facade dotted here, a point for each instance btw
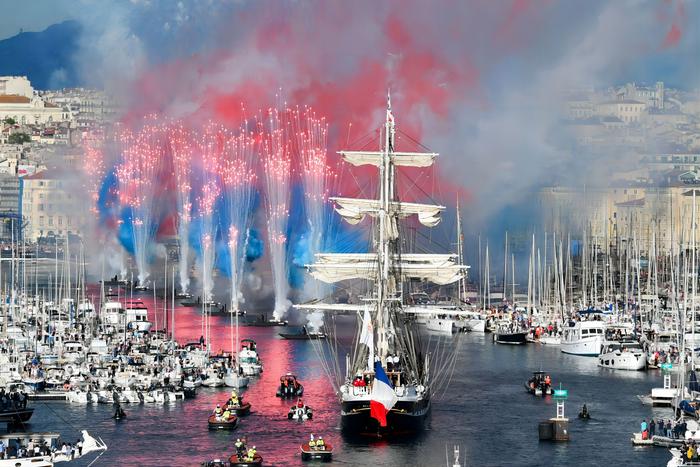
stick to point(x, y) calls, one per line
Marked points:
point(51, 206)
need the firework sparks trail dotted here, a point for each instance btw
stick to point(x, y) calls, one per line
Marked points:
point(139, 173)
point(277, 169)
point(181, 152)
point(238, 180)
point(311, 136)
point(95, 146)
point(213, 144)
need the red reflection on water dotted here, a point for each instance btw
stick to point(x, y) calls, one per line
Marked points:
point(188, 441)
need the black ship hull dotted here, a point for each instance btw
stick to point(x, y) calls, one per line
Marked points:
point(511, 337)
point(404, 419)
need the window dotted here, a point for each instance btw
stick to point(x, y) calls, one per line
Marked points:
point(68, 220)
point(60, 220)
point(41, 220)
point(50, 220)
point(41, 207)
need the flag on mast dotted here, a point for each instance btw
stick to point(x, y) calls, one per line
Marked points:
point(383, 395)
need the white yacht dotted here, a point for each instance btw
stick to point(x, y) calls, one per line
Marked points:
point(113, 315)
point(249, 360)
point(583, 338)
point(623, 355)
point(137, 316)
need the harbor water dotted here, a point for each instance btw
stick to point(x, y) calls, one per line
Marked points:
point(485, 410)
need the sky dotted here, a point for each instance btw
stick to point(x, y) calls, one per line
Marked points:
point(479, 81)
point(33, 15)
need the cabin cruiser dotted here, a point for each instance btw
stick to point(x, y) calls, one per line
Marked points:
point(583, 338)
point(249, 360)
point(622, 355)
point(114, 315)
point(137, 316)
point(73, 352)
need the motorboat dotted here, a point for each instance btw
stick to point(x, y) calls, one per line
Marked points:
point(47, 458)
point(241, 410)
point(540, 384)
point(234, 460)
point(305, 334)
point(583, 338)
point(510, 334)
point(289, 386)
point(212, 378)
point(248, 358)
point(622, 355)
point(300, 413)
point(137, 316)
point(221, 423)
point(322, 453)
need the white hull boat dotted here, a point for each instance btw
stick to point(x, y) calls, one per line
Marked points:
point(584, 338)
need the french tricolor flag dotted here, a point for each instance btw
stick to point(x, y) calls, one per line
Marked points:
point(383, 395)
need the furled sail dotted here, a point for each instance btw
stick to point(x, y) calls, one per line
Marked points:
point(439, 269)
point(403, 159)
point(354, 210)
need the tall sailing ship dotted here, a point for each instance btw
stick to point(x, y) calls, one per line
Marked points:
point(388, 349)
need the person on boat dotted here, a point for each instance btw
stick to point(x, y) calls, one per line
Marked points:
point(234, 401)
point(320, 444)
point(652, 428)
point(251, 454)
point(300, 404)
point(584, 411)
point(240, 448)
point(226, 415)
point(547, 381)
point(218, 412)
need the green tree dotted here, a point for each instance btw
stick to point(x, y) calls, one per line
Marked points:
point(18, 138)
point(10, 121)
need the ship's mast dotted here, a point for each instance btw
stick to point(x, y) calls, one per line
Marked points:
point(384, 250)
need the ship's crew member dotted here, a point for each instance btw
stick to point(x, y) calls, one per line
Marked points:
point(234, 399)
point(652, 428)
point(584, 411)
point(226, 415)
point(217, 411)
point(669, 431)
point(320, 444)
point(312, 442)
point(643, 426)
point(300, 404)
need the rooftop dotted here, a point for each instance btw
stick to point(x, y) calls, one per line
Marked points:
point(13, 99)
